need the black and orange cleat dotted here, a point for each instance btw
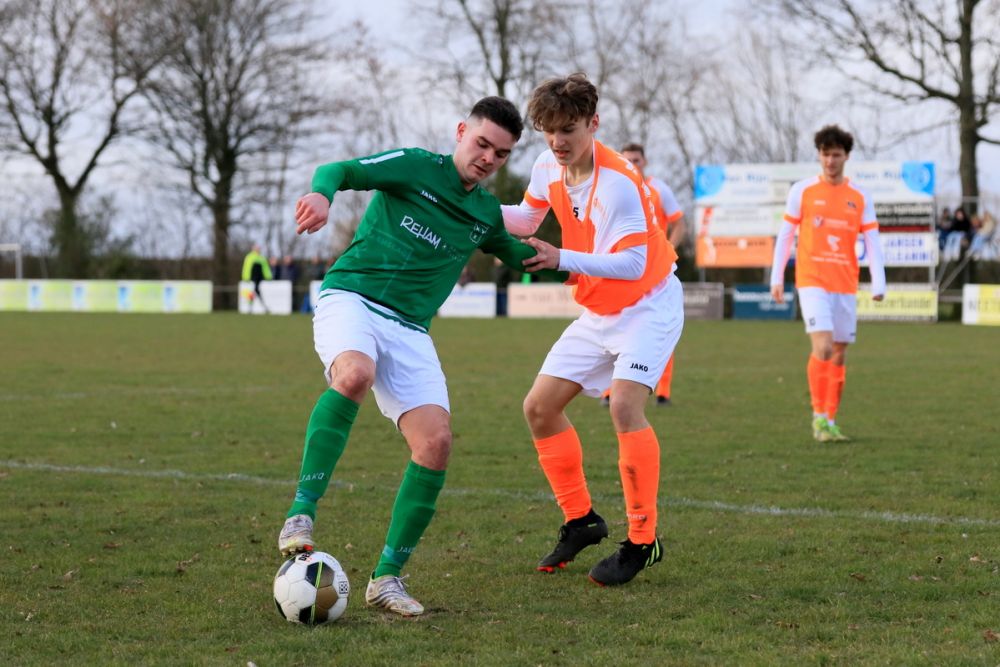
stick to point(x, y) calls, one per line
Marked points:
point(574, 537)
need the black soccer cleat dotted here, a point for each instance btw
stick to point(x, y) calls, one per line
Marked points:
point(574, 537)
point(663, 402)
point(622, 566)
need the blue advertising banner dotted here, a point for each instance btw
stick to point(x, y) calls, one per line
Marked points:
point(754, 302)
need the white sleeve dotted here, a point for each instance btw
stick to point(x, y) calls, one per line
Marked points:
point(625, 212)
point(627, 264)
point(876, 264)
point(782, 250)
point(667, 197)
point(522, 219)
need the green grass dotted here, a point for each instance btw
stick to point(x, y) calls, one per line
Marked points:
point(146, 463)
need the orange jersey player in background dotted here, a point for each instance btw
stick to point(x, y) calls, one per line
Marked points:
point(633, 315)
point(829, 213)
point(670, 218)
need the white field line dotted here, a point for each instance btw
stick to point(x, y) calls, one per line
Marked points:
point(136, 391)
point(712, 505)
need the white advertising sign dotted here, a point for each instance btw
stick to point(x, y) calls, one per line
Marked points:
point(275, 298)
point(903, 249)
point(471, 300)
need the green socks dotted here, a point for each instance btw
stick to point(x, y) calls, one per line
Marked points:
point(411, 514)
point(326, 436)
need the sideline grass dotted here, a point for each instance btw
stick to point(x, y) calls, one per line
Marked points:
point(125, 542)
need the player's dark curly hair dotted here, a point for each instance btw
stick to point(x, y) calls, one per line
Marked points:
point(559, 101)
point(831, 136)
point(502, 112)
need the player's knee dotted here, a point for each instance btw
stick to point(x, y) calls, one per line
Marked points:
point(352, 379)
point(626, 416)
point(535, 410)
point(434, 448)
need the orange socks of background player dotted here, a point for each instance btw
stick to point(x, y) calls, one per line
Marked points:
point(834, 388)
point(663, 386)
point(818, 372)
point(639, 465)
point(561, 458)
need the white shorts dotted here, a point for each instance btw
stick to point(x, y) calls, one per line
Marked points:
point(407, 370)
point(829, 311)
point(634, 344)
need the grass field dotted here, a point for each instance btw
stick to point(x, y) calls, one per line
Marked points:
point(146, 463)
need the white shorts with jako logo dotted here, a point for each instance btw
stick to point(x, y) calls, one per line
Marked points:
point(634, 344)
point(829, 311)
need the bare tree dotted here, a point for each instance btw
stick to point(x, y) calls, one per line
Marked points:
point(70, 71)
point(233, 95)
point(495, 47)
point(925, 51)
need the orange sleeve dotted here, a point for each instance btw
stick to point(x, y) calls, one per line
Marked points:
point(535, 202)
point(630, 241)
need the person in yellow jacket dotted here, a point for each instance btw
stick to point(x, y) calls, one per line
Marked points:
point(256, 269)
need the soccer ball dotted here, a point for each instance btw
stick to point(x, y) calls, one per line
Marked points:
point(311, 588)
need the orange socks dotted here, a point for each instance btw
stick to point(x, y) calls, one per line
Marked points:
point(561, 458)
point(834, 388)
point(818, 373)
point(663, 386)
point(639, 465)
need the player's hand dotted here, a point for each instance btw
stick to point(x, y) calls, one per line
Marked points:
point(546, 256)
point(311, 213)
point(878, 297)
point(778, 293)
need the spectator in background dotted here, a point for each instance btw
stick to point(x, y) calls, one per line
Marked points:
point(255, 270)
point(502, 276)
point(983, 229)
point(943, 226)
point(960, 223)
point(315, 270)
point(288, 270)
point(958, 237)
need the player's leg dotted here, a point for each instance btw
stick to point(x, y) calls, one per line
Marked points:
point(845, 330)
point(649, 333)
point(577, 362)
point(410, 390)
point(663, 386)
point(348, 354)
point(818, 317)
point(560, 455)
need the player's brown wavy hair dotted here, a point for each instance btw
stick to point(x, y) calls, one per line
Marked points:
point(562, 100)
point(832, 136)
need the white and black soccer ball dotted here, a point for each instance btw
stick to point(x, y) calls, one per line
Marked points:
point(311, 588)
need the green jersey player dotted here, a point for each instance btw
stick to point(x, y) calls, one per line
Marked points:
point(428, 216)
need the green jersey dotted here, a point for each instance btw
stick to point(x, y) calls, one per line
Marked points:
point(417, 233)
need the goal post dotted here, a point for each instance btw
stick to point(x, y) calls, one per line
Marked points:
point(15, 250)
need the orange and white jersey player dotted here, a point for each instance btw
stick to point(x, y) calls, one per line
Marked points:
point(829, 213)
point(622, 266)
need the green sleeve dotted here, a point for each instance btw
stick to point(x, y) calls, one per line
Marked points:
point(512, 252)
point(383, 171)
point(267, 269)
point(247, 266)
